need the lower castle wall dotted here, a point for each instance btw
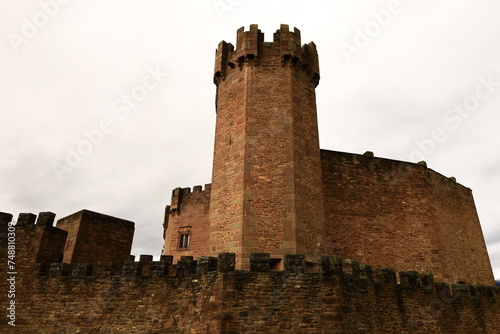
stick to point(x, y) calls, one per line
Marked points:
point(209, 296)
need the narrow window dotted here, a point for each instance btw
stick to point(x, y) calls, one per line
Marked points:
point(184, 240)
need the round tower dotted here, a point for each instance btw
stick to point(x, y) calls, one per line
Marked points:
point(266, 184)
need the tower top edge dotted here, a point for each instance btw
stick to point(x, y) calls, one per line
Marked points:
point(250, 47)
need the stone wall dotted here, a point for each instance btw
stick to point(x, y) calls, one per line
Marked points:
point(266, 183)
point(209, 296)
point(459, 238)
point(391, 213)
point(94, 237)
point(187, 214)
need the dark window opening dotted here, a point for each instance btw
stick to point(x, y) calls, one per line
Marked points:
point(184, 240)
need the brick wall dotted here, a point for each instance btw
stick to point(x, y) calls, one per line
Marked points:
point(266, 184)
point(94, 237)
point(209, 296)
point(187, 214)
point(403, 215)
point(460, 241)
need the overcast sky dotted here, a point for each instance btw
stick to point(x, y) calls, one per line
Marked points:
point(109, 105)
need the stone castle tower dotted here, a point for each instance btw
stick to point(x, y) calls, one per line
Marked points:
point(274, 191)
point(266, 191)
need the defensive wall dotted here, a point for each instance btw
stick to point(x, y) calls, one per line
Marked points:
point(278, 207)
point(403, 215)
point(210, 296)
point(378, 211)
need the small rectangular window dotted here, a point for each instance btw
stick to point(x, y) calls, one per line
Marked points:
point(184, 240)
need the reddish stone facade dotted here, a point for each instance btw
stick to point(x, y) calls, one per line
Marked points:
point(278, 207)
point(403, 215)
point(210, 296)
point(266, 184)
point(187, 215)
point(94, 237)
point(273, 190)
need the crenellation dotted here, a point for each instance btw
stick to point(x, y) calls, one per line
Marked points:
point(351, 267)
point(252, 251)
point(222, 61)
point(106, 269)
point(60, 269)
point(294, 263)
point(206, 264)
point(248, 44)
point(146, 258)
point(167, 258)
point(460, 290)
point(331, 265)
point(427, 279)
point(5, 219)
point(159, 268)
point(347, 269)
point(82, 270)
point(409, 278)
point(146, 261)
point(386, 275)
point(226, 262)
point(260, 262)
point(183, 196)
point(132, 269)
point(366, 272)
point(330, 299)
point(252, 50)
point(26, 219)
point(443, 291)
point(45, 219)
point(186, 266)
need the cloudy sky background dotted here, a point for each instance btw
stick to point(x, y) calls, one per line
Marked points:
point(65, 74)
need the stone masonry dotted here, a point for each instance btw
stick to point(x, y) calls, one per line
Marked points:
point(288, 238)
point(273, 190)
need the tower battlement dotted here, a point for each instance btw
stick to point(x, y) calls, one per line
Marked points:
point(285, 50)
point(180, 194)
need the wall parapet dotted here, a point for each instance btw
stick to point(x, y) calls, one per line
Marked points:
point(249, 50)
point(294, 264)
point(369, 158)
point(180, 195)
point(210, 295)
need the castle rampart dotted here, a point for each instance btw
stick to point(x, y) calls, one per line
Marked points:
point(210, 296)
point(252, 50)
point(393, 213)
point(252, 251)
point(382, 212)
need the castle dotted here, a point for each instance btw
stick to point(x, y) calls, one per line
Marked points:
point(287, 237)
point(273, 190)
